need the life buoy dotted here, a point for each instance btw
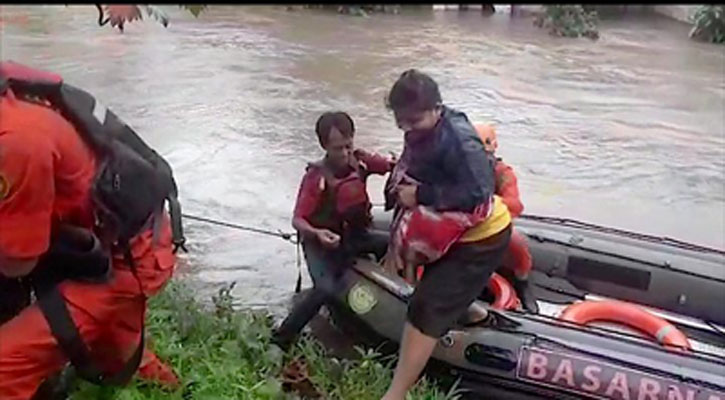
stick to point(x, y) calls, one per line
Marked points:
point(627, 314)
point(504, 294)
point(26, 76)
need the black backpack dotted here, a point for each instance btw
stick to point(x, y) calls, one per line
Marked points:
point(132, 184)
point(133, 180)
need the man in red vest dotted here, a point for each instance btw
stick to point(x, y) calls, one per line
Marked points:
point(333, 216)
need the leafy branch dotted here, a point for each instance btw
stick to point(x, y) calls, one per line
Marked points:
point(118, 15)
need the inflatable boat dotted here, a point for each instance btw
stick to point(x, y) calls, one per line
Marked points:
point(621, 316)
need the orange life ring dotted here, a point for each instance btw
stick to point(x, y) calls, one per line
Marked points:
point(504, 294)
point(627, 314)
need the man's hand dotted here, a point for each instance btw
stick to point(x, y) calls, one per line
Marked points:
point(328, 238)
point(407, 195)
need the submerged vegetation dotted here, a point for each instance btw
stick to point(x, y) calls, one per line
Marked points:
point(362, 10)
point(709, 24)
point(564, 20)
point(569, 20)
point(227, 354)
point(118, 15)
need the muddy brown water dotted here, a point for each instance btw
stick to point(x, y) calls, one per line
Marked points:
point(625, 132)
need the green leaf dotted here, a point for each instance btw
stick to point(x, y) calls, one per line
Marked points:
point(271, 389)
point(158, 14)
point(194, 9)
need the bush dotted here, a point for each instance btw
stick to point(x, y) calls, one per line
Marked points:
point(569, 21)
point(358, 9)
point(709, 24)
point(223, 353)
point(614, 10)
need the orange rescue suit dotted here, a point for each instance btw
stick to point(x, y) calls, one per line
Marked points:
point(46, 172)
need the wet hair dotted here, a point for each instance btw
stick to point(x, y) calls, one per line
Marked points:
point(338, 120)
point(414, 91)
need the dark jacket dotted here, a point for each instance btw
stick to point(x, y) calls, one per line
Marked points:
point(454, 170)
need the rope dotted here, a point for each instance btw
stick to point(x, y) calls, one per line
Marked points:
point(298, 262)
point(715, 327)
point(290, 237)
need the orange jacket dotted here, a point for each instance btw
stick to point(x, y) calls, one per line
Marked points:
point(46, 173)
point(507, 188)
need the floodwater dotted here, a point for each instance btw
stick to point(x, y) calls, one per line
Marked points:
point(625, 132)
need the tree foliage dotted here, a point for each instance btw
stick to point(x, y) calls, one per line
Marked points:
point(709, 23)
point(569, 20)
point(118, 15)
point(362, 10)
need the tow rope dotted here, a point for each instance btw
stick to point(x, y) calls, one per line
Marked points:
point(290, 237)
point(287, 236)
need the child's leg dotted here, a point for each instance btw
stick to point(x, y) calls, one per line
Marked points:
point(518, 257)
point(518, 260)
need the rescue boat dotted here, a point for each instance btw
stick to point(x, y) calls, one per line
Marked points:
point(621, 316)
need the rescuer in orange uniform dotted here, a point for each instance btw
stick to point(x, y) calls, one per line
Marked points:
point(518, 258)
point(46, 175)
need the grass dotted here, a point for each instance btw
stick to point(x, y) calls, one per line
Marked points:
point(220, 353)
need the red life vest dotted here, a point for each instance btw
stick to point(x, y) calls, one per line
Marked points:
point(345, 201)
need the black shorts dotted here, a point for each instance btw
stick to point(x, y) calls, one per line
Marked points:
point(452, 283)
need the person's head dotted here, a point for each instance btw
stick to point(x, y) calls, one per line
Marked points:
point(487, 133)
point(415, 101)
point(335, 131)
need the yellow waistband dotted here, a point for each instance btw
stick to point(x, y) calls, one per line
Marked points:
point(495, 223)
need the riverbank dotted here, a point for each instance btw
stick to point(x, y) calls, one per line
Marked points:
point(220, 353)
point(682, 12)
point(231, 98)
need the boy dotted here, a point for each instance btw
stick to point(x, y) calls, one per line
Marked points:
point(332, 215)
point(517, 259)
point(446, 169)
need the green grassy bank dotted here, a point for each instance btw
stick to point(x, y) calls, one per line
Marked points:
point(224, 354)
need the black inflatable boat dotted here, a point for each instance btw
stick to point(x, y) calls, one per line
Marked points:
point(520, 355)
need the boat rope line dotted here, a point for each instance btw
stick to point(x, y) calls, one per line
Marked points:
point(650, 238)
point(290, 237)
point(715, 327)
point(287, 236)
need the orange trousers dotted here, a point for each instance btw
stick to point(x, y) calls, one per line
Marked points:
point(108, 317)
point(518, 257)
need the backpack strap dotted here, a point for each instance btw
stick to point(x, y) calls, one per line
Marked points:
point(63, 328)
point(177, 228)
point(55, 310)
